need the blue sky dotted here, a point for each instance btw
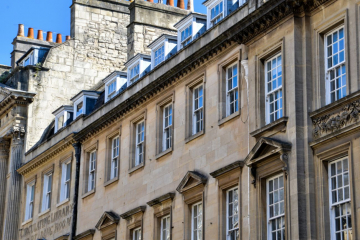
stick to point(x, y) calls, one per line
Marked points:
point(47, 15)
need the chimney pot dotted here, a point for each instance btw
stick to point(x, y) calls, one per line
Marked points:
point(190, 5)
point(31, 33)
point(49, 37)
point(170, 2)
point(40, 35)
point(21, 30)
point(181, 4)
point(67, 38)
point(150, 1)
point(58, 38)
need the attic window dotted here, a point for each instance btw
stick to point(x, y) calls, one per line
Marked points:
point(217, 13)
point(79, 109)
point(186, 36)
point(134, 73)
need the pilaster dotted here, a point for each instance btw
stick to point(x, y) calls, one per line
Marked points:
point(4, 157)
point(13, 198)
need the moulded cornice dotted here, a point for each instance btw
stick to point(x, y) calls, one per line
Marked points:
point(227, 168)
point(133, 212)
point(161, 199)
point(46, 155)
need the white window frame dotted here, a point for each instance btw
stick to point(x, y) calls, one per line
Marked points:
point(233, 90)
point(92, 171)
point(216, 19)
point(112, 93)
point(47, 190)
point(279, 216)
point(115, 150)
point(30, 196)
point(341, 65)
point(137, 76)
point(165, 228)
point(228, 230)
point(278, 89)
point(344, 203)
point(82, 107)
point(138, 231)
point(199, 110)
point(65, 181)
point(184, 42)
point(167, 130)
point(160, 58)
point(139, 144)
point(198, 216)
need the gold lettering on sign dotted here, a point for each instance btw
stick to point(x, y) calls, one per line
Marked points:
point(49, 225)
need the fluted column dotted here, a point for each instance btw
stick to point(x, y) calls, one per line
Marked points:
point(13, 199)
point(4, 157)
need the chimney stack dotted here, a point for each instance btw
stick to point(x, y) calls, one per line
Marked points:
point(58, 38)
point(181, 4)
point(49, 37)
point(40, 35)
point(67, 38)
point(21, 31)
point(170, 2)
point(31, 33)
point(190, 5)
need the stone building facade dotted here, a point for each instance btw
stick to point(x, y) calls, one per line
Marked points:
point(278, 148)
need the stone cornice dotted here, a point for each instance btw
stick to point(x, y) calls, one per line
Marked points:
point(227, 168)
point(161, 199)
point(46, 155)
point(133, 212)
point(15, 99)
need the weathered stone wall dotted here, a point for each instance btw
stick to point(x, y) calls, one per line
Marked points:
point(99, 29)
point(148, 21)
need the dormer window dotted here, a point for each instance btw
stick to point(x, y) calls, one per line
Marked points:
point(33, 56)
point(134, 73)
point(190, 28)
point(217, 13)
point(84, 102)
point(162, 48)
point(137, 67)
point(114, 83)
point(186, 36)
point(159, 55)
point(63, 116)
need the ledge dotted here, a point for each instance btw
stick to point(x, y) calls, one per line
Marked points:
point(280, 123)
point(161, 199)
point(132, 212)
point(115, 179)
point(227, 168)
point(88, 193)
point(27, 221)
point(63, 202)
point(228, 118)
point(163, 153)
point(44, 212)
point(192, 137)
point(86, 233)
point(141, 165)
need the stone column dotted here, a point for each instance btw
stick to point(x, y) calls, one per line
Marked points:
point(4, 157)
point(13, 199)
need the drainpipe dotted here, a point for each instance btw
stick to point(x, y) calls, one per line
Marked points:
point(77, 147)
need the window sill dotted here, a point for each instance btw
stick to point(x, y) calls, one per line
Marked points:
point(108, 182)
point(228, 118)
point(27, 221)
point(63, 202)
point(131, 170)
point(192, 137)
point(278, 125)
point(91, 192)
point(163, 153)
point(44, 212)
